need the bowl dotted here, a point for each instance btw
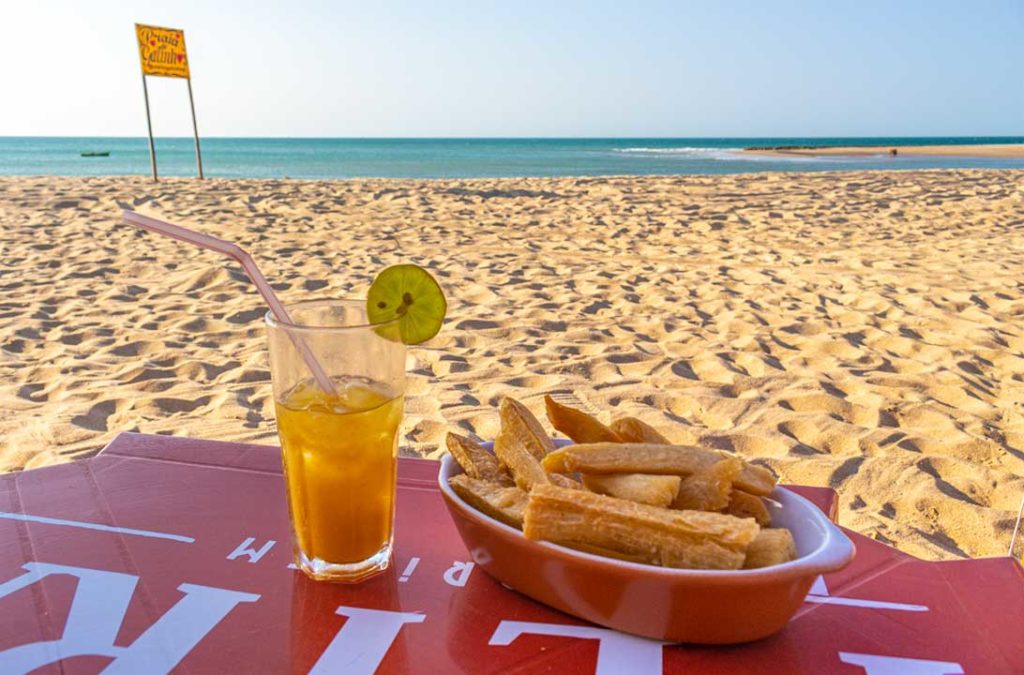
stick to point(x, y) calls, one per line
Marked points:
point(696, 606)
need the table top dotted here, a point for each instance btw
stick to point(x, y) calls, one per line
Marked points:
point(165, 553)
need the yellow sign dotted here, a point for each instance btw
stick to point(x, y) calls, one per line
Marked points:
point(162, 51)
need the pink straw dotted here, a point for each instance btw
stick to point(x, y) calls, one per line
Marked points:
point(239, 254)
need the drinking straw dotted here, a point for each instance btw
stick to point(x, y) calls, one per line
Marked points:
point(239, 254)
point(1017, 531)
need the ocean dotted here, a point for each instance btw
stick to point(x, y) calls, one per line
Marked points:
point(457, 157)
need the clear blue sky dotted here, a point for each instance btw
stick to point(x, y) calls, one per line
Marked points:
point(446, 68)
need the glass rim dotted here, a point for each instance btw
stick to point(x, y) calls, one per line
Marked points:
point(273, 322)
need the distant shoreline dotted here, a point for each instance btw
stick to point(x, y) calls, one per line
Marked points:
point(1015, 150)
point(481, 158)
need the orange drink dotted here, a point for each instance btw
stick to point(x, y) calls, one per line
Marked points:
point(340, 457)
point(339, 448)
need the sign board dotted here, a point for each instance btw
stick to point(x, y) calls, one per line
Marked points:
point(162, 54)
point(162, 51)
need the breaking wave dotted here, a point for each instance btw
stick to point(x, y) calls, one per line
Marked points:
point(725, 154)
point(704, 153)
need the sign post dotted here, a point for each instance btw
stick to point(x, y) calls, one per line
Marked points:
point(149, 128)
point(162, 54)
point(195, 129)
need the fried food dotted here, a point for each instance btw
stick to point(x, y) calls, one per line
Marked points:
point(678, 460)
point(506, 504)
point(709, 489)
point(584, 428)
point(524, 428)
point(682, 539)
point(578, 425)
point(745, 505)
point(520, 445)
point(636, 487)
point(639, 498)
point(475, 460)
point(564, 481)
point(512, 451)
point(772, 546)
point(632, 430)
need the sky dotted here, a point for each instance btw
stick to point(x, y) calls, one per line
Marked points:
point(335, 68)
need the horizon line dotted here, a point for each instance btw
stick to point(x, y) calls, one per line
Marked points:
point(522, 138)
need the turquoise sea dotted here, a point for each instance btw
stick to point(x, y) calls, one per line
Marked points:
point(457, 157)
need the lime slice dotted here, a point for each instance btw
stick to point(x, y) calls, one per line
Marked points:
point(407, 293)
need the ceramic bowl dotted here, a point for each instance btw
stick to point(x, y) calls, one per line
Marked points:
point(697, 606)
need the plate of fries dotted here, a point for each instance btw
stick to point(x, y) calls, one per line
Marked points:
point(622, 528)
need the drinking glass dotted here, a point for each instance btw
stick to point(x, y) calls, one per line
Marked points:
point(339, 447)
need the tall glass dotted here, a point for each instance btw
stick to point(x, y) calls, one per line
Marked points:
point(339, 448)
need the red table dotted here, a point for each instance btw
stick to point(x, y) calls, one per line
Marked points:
point(166, 553)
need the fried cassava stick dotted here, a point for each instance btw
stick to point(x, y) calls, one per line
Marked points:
point(520, 424)
point(710, 488)
point(475, 460)
point(770, 547)
point(745, 505)
point(632, 430)
point(683, 539)
point(636, 487)
point(506, 504)
point(678, 460)
point(578, 425)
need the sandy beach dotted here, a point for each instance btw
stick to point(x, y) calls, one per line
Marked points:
point(995, 151)
point(858, 330)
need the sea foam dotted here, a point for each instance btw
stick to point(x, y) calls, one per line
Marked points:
point(703, 153)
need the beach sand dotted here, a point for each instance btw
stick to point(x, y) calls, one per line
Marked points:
point(1006, 151)
point(862, 330)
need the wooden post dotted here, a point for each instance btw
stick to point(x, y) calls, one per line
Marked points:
point(149, 127)
point(195, 128)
